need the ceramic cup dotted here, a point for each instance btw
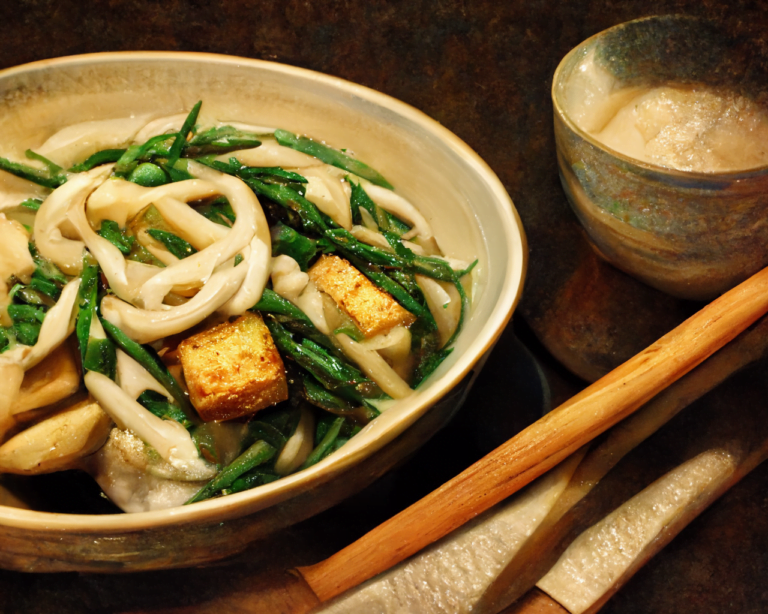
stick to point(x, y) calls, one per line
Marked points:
point(691, 234)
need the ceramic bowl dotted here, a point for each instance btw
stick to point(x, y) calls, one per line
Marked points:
point(691, 234)
point(472, 216)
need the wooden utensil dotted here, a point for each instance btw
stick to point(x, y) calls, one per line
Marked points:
point(530, 453)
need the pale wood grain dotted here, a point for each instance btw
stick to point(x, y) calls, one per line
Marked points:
point(545, 443)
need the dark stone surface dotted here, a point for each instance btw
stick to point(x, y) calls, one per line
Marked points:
point(483, 69)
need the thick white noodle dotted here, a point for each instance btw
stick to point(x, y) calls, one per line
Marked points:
point(196, 229)
point(120, 200)
point(327, 189)
point(299, 446)
point(65, 253)
point(269, 153)
point(375, 367)
point(161, 125)
point(58, 325)
point(256, 259)
point(79, 141)
point(145, 326)
point(288, 280)
point(398, 206)
point(371, 237)
point(198, 268)
point(135, 379)
point(171, 440)
point(444, 304)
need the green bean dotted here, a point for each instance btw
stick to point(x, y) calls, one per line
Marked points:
point(306, 329)
point(26, 313)
point(427, 366)
point(251, 479)
point(31, 203)
point(181, 137)
point(7, 339)
point(105, 156)
point(258, 454)
point(325, 399)
point(31, 296)
point(329, 370)
point(205, 441)
point(285, 240)
point(178, 172)
point(32, 174)
point(148, 358)
point(112, 232)
point(45, 268)
point(330, 156)
point(173, 243)
point(87, 296)
point(27, 320)
point(54, 170)
point(259, 430)
point(128, 161)
point(462, 313)
point(47, 288)
point(26, 333)
point(284, 417)
point(100, 356)
point(272, 302)
point(217, 210)
point(96, 354)
point(311, 218)
point(324, 447)
point(159, 405)
point(220, 140)
point(139, 253)
point(384, 219)
point(266, 172)
point(148, 175)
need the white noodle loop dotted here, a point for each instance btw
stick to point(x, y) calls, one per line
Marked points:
point(145, 325)
point(269, 153)
point(327, 189)
point(64, 252)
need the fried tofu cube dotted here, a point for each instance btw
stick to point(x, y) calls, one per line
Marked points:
point(373, 310)
point(233, 369)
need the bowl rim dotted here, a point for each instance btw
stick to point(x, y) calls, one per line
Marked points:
point(234, 506)
point(647, 166)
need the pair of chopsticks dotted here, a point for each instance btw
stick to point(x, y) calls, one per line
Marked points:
point(529, 454)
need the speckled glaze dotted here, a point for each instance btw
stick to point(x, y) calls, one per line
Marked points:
point(470, 212)
point(691, 234)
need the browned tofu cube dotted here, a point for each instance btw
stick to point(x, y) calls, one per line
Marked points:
point(233, 369)
point(373, 310)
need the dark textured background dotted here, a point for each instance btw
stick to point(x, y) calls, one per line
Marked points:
point(483, 69)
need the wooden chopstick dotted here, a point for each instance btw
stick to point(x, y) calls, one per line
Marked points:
point(535, 601)
point(544, 444)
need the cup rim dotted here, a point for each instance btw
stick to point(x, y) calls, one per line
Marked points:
point(559, 110)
